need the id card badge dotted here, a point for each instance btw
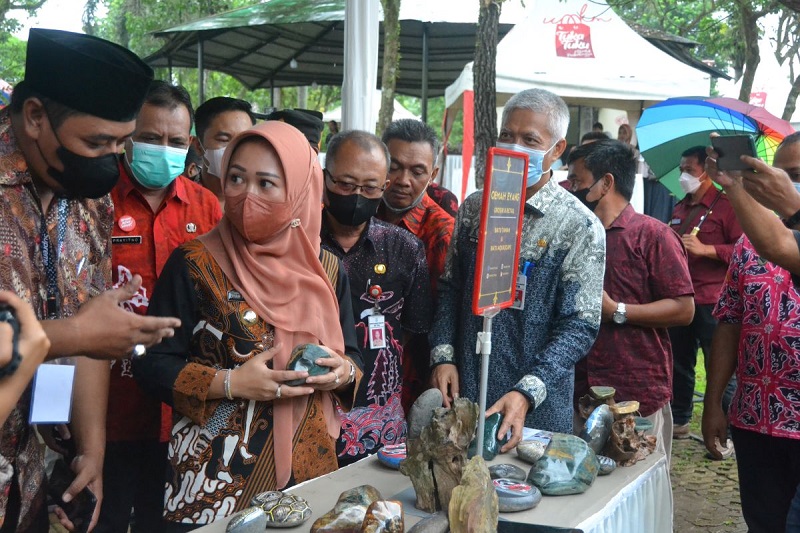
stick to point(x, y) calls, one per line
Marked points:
point(52, 394)
point(519, 293)
point(376, 326)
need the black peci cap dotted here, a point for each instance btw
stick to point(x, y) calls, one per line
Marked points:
point(86, 73)
point(307, 121)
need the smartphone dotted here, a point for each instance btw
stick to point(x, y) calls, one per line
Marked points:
point(81, 508)
point(730, 147)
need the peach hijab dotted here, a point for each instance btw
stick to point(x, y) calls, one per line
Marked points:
point(281, 277)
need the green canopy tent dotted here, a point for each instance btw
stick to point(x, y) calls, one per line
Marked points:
point(283, 43)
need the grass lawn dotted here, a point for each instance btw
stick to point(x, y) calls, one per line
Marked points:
point(699, 386)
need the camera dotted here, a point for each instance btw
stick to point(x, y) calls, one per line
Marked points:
point(8, 316)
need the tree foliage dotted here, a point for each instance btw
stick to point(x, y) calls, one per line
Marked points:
point(11, 24)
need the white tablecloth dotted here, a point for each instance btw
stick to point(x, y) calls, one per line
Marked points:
point(636, 499)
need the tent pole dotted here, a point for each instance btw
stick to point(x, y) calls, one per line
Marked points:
point(169, 66)
point(201, 96)
point(424, 72)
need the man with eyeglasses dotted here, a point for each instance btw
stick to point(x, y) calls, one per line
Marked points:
point(390, 288)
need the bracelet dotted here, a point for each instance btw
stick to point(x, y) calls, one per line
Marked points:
point(793, 220)
point(228, 394)
point(352, 377)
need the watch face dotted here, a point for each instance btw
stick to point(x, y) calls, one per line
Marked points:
point(618, 318)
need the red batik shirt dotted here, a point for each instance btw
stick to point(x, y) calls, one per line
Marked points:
point(141, 243)
point(645, 262)
point(761, 297)
point(721, 230)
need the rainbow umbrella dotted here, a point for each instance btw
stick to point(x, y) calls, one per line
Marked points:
point(5, 93)
point(668, 128)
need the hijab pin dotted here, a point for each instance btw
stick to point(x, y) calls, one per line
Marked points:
point(295, 223)
point(191, 227)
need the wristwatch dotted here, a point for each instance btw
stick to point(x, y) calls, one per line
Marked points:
point(620, 316)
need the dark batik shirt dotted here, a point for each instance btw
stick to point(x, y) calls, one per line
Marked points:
point(645, 262)
point(394, 259)
point(446, 199)
point(84, 267)
point(542, 343)
point(762, 298)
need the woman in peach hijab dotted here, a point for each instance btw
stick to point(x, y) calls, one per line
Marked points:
point(247, 293)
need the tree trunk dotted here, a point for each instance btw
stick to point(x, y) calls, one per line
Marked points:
point(749, 27)
point(484, 84)
point(791, 100)
point(391, 61)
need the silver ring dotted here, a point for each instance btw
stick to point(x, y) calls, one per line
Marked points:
point(337, 378)
point(138, 351)
point(278, 391)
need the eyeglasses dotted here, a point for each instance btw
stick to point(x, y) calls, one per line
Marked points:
point(349, 188)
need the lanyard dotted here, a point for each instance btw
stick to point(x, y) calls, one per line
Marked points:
point(50, 257)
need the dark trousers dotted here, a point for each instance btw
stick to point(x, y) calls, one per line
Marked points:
point(685, 342)
point(793, 518)
point(769, 473)
point(133, 478)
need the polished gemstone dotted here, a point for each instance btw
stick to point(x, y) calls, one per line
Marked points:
point(303, 358)
point(515, 495)
point(250, 520)
point(491, 446)
point(597, 428)
point(384, 516)
point(349, 512)
point(435, 523)
point(607, 465)
point(392, 455)
point(282, 510)
point(602, 393)
point(568, 466)
point(531, 450)
point(507, 471)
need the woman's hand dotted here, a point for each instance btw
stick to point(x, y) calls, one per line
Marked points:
point(254, 380)
point(338, 378)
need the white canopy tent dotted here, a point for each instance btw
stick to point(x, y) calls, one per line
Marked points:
point(399, 111)
point(584, 52)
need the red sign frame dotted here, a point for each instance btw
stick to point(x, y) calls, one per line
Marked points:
point(498, 199)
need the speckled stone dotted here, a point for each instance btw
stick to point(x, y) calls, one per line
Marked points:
point(602, 393)
point(491, 446)
point(568, 466)
point(349, 512)
point(516, 496)
point(607, 465)
point(392, 455)
point(303, 357)
point(384, 516)
point(531, 451)
point(597, 428)
point(435, 523)
point(421, 412)
point(250, 520)
point(282, 510)
point(507, 471)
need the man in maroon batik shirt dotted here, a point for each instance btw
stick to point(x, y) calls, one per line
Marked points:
point(646, 288)
point(156, 210)
point(710, 249)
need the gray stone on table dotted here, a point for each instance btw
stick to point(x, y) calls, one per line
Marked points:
point(597, 428)
point(514, 496)
point(250, 520)
point(507, 471)
point(421, 412)
point(435, 523)
point(607, 465)
point(531, 450)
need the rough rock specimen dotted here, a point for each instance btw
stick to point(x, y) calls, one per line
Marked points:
point(435, 460)
point(384, 516)
point(598, 428)
point(250, 520)
point(304, 357)
point(349, 512)
point(474, 506)
point(568, 466)
point(626, 445)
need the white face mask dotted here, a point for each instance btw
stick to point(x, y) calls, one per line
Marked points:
point(688, 183)
point(213, 161)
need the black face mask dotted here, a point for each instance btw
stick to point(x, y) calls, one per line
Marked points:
point(583, 193)
point(85, 177)
point(351, 209)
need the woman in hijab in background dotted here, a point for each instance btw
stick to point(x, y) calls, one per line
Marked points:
point(247, 293)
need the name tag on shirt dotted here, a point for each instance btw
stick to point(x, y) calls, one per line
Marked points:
point(519, 294)
point(675, 221)
point(376, 324)
point(51, 401)
point(128, 239)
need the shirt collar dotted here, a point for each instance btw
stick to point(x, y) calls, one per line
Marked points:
point(623, 219)
point(415, 217)
point(544, 197)
point(367, 236)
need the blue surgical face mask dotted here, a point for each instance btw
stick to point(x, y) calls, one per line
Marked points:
point(535, 160)
point(155, 166)
point(796, 186)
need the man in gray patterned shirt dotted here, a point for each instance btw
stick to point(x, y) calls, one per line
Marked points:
point(562, 256)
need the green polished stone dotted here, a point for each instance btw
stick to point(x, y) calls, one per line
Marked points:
point(304, 357)
point(568, 466)
point(602, 393)
point(491, 446)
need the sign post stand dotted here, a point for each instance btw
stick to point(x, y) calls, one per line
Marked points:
point(498, 254)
